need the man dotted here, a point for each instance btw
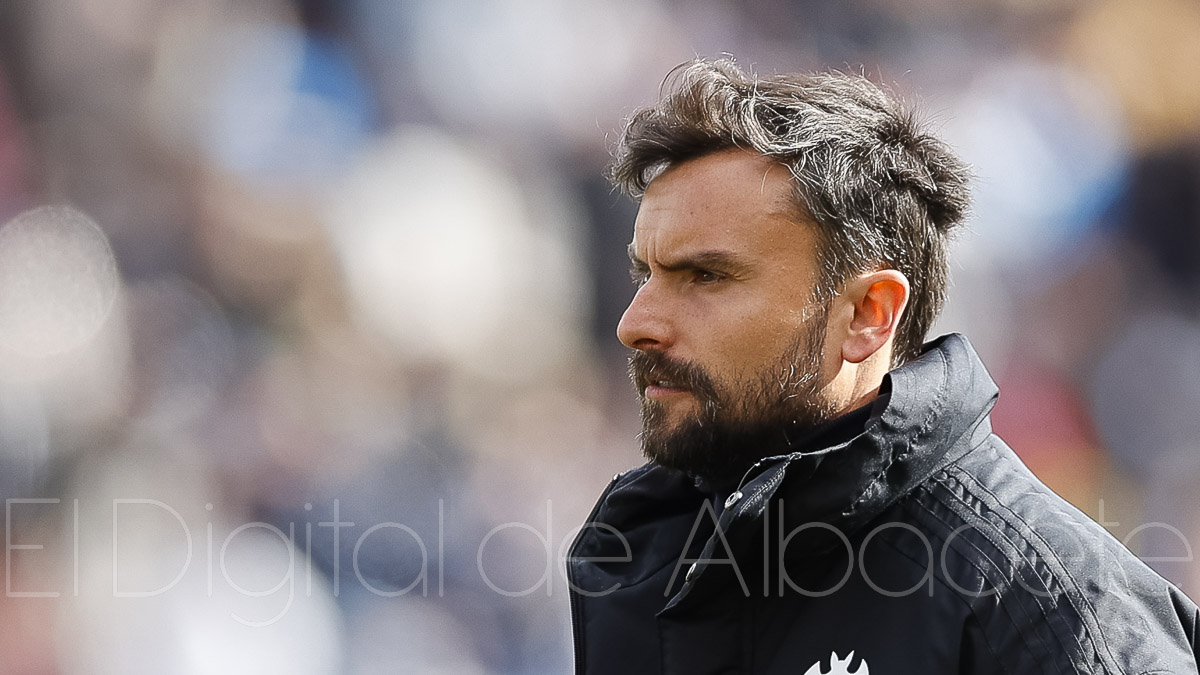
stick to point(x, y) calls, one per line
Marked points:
point(824, 493)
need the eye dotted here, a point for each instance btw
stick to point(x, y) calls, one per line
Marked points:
point(706, 277)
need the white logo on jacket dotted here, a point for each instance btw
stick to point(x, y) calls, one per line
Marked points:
point(839, 667)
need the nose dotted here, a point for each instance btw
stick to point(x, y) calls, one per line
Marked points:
point(644, 325)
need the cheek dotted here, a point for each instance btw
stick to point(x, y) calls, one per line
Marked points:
point(736, 334)
point(758, 343)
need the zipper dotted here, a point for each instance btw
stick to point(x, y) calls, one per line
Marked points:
point(576, 610)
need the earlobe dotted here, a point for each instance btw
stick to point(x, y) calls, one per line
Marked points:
point(879, 299)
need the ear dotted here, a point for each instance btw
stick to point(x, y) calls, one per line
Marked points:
point(878, 299)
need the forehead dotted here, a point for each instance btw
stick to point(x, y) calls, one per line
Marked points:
point(731, 199)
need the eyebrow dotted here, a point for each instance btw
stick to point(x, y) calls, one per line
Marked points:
point(719, 260)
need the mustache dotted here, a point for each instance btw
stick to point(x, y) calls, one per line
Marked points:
point(646, 367)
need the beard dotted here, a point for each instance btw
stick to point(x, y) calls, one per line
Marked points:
point(735, 424)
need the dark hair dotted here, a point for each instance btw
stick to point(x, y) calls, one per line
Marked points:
point(880, 191)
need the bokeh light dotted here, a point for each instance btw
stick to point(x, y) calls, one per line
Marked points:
point(58, 280)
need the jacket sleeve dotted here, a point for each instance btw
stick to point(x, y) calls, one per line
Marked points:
point(1138, 633)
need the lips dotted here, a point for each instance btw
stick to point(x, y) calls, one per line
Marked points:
point(655, 377)
point(661, 387)
point(654, 393)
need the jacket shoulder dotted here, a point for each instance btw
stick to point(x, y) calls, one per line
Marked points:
point(1049, 589)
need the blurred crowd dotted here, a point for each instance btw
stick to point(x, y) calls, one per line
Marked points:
point(307, 308)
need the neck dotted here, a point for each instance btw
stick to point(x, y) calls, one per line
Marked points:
point(857, 384)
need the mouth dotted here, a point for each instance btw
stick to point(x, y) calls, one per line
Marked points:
point(662, 388)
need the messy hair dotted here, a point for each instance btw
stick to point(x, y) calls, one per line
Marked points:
point(880, 191)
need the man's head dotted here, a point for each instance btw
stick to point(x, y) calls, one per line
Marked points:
point(790, 247)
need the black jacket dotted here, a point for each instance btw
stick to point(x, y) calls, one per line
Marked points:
point(921, 545)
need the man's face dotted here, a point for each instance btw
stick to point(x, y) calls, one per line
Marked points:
point(728, 339)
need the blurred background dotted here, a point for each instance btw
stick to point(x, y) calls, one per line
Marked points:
point(307, 309)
